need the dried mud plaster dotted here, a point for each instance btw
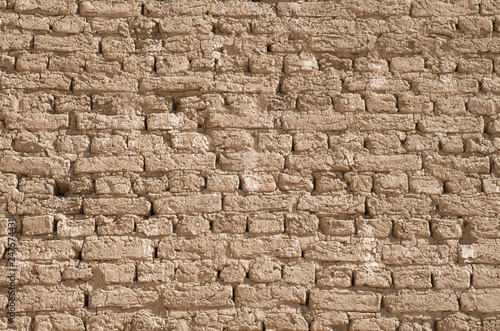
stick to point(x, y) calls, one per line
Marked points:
point(250, 165)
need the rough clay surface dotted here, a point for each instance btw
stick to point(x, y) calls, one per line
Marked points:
point(251, 165)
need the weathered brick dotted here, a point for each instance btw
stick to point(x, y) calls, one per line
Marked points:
point(479, 253)
point(373, 278)
point(101, 83)
point(333, 251)
point(46, 250)
point(399, 206)
point(269, 296)
point(191, 249)
point(103, 122)
point(122, 297)
point(249, 248)
point(451, 124)
point(468, 206)
point(421, 255)
point(165, 163)
point(198, 296)
point(33, 206)
point(117, 248)
point(116, 206)
point(44, 166)
point(253, 203)
point(480, 302)
point(342, 204)
point(110, 9)
point(206, 203)
point(387, 162)
point(109, 164)
point(56, 298)
point(46, 7)
point(252, 161)
point(319, 162)
point(314, 122)
point(68, 44)
point(75, 228)
point(37, 225)
point(359, 301)
point(383, 122)
point(170, 122)
point(408, 302)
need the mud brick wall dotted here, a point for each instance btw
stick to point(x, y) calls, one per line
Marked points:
point(251, 165)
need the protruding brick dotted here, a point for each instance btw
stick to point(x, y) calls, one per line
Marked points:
point(117, 248)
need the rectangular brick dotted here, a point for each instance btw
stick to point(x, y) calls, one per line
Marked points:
point(104, 122)
point(486, 276)
point(449, 124)
point(333, 204)
point(69, 44)
point(236, 83)
point(419, 255)
point(34, 165)
point(14, 42)
point(203, 203)
point(117, 248)
point(98, 83)
point(197, 296)
point(75, 228)
point(329, 122)
point(46, 7)
point(335, 44)
point(252, 203)
point(252, 161)
point(470, 164)
point(299, 84)
point(385, 163)
point(252, 247)
point(166, 121)
point(268, 297)
point(33, 206)
point(175, 83)
point(481, 302)
point(39, 250)
point(383, 122)
point(399, 206)
point(408, 302)
point(238, 10)
point(248, 121)
point(359, 301)
point(55, 298)
point(116, 206)
point(479, 253)
point(318, 162)
point(334, 251)
point(122, 297)
point(109, 9)
point(192, 249)
point(468, 206)
point(445, 85)
point(109, 164)
point(308, 9)
point(166, 163)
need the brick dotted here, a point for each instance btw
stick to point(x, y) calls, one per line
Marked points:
point(165, 163)
point(480, 302)
point(451, 124)
point(110, 9)
point(116, 206)
point(38, 225)
point(46, 7)
point(471, 164)
point(198, 296)
point(333, 251)
point(190, 141)
point(295, 183)
point(248, 121)
point(57, 298)
point(411, 229)
point(468, 206)
point(122, 297)
point(336, 227)
point(425, 185)
point(373, 278)
point(222, 183)
point(320, 162)
point(358, 301)
point(68, 44)
point(407, 302)
point(170, 122)
point(191, 249)
point(72, 144)
point(383, 122)
point(252, 161)
point(117, 248)
point(155, 272)
point(341, 204)
point(249, 248)
point(109, 145)
point(75, 228)
point(44, 166)
point(308, 9)
point(33, 206)
point(479, 253)
point(109, 164)
point(113, 185)
point(452, 277)
point(114, 273)
point(420, 255)
point(301, 273)
point(206, 203)
point(390, 184)
point(399, 206)
point(446, 85)
point(485, 276)
point(417, 279)
point(407, 64)
point(46, 250)
point(103, 122)
point(314, 122)
point(253, 203)
point(268, 297)
point(349, 102)
point(100, 83)
point(265, 223)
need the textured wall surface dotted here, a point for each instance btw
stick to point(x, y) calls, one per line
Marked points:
point(251, 165)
